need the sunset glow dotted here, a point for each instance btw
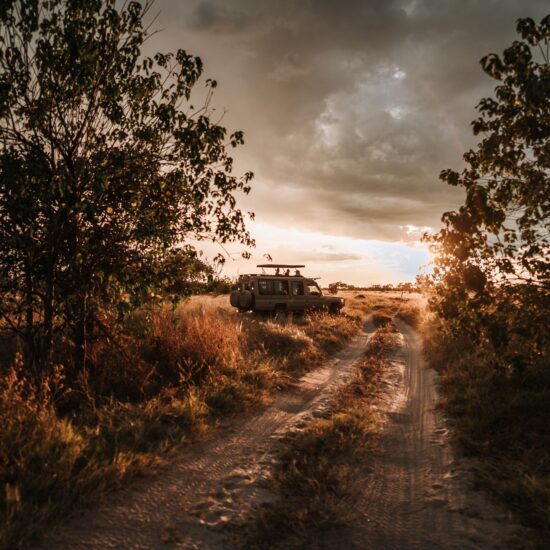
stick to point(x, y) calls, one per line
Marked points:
point(333, 258)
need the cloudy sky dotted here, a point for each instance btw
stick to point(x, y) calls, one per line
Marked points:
point(350, 110)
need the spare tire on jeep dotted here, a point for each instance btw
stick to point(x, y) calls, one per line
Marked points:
point(234, 298)
point(246, 300)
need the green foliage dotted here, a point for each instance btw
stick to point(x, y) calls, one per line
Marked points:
point(106, 168)
point(491, 278)
point(503, 225)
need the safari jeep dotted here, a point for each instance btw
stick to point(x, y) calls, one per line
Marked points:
point(282, 292)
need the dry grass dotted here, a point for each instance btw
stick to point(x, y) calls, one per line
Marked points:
point(165, 379)
point(49, 462)
point(407, 306)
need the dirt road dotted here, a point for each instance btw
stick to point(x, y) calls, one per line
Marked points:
point(415, 493)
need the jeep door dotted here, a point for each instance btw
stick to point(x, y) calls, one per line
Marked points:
point(297, 295)
point(273, 293)
point(313, 295)
point(265, 298)
point(281, 290)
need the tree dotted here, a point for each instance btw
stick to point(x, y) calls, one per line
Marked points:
point(492, 271)
point(106, 168)
point(333, 287)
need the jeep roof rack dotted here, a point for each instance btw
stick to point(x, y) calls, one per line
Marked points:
point(280, 266)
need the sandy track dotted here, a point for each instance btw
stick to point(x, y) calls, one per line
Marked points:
point(213, 483)
point(417, 494)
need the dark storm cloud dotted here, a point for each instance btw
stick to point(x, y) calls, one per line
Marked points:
point(211, 17)
point(350, 109)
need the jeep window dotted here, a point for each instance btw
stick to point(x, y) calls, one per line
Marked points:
point(280, 287)
point(265, 287)
point(297, 288)
point(313, 290)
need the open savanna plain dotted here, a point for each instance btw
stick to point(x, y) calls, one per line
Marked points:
point(200, 427)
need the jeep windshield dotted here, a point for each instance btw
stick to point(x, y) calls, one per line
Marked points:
point(313, 289)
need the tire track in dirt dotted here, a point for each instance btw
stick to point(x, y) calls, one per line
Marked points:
point(417, 494)
point(213, 483)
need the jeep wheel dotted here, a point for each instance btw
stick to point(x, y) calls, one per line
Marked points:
point(334, 309)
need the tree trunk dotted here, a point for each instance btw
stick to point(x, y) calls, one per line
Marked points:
point(80, 339)
point(29, 318)
point(47, 342)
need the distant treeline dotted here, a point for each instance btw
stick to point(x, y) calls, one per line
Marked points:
point(400, 287)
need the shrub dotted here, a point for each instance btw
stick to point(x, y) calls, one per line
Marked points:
point(39, 452)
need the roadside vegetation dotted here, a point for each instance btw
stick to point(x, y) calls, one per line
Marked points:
point(489, 293)
point(500, 416)
point(315, 482)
